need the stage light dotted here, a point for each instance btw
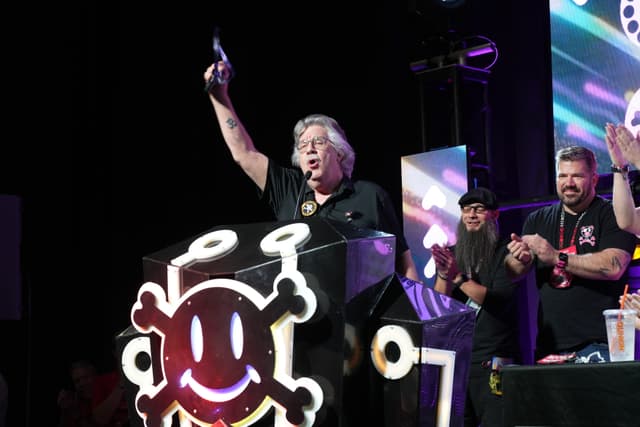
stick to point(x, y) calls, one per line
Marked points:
point(479, 50)
point(449, 3)
point(460, 56)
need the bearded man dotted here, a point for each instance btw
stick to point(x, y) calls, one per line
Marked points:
point(581, 259)
point(473, 272)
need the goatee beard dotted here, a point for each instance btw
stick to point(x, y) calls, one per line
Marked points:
point(573, 201)
point(475, 247)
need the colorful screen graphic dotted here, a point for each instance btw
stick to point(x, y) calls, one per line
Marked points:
point(432, 183)
point(595, 54)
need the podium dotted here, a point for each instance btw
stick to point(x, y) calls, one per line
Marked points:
point(425, 377)
point(265, 324)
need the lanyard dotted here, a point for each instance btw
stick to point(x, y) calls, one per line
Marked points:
point(575, 228)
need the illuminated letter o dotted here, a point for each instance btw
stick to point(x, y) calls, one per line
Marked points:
point(408, 353)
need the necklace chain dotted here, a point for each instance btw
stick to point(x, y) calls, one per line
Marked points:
point(575, 228)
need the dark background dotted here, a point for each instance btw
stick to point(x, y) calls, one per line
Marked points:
point(111, 144)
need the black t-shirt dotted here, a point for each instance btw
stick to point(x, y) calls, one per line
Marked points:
point(496, 327)
point(571, 317)
point(363, 204)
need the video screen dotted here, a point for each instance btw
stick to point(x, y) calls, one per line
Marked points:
point(595, 59)
point(432, 183)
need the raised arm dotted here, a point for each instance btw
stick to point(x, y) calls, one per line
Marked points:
point(624, 149)
point(245, 154)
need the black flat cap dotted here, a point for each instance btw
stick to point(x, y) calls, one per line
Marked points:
point(479, 195)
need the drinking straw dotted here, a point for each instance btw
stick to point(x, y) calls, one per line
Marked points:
point(624, 297)
point(619, 325)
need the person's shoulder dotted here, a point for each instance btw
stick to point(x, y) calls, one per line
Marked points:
point(544, 211)
point(601, 202)
point(274, 165)
point(364, 184)
point(601, 208)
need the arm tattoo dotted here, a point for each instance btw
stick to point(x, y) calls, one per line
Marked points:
point(231, 123)
point(615, 266)
point(615, 263)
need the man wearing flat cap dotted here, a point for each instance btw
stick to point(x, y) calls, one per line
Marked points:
point(473, 272)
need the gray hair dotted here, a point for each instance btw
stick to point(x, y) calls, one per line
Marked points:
point(336, 135)
point(576, 153)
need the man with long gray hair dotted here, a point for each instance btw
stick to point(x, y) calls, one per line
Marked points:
point(320, 184)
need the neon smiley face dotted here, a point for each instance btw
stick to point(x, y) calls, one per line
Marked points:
point(210, 336)
point(214, 366)
point(237, 345)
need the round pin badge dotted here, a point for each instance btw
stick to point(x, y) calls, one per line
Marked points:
point(308, 208)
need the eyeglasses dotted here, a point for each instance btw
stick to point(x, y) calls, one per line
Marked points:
point(480, 209)
point(319, 142)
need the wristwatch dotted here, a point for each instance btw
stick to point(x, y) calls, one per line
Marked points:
point(624, 169)
point(564, 258)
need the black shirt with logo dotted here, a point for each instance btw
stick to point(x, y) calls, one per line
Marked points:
point(570, 318)
point(363, 204)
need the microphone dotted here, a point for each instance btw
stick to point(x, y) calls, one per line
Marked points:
point(307, 175)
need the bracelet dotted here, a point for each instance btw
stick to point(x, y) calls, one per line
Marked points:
point(442, 277)
point(463, 278)
point(624, 169)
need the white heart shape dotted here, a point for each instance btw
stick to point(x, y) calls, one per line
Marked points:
point(434, 197)
point(433, 236)
point(430, 268)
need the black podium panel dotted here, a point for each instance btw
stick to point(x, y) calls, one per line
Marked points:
point(424, 365)
point(299, 295)
point(136, 366)
point(362, 257)
point(574, 395)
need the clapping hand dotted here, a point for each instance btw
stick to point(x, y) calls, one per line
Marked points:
point(519, 249)
point(623, 147)
point(446, 266)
